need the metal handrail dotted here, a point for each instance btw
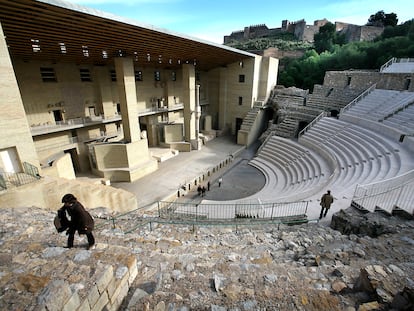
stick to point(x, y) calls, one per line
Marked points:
point(198, 215)
point(388, 63)
point(387, 194)
point(310, 125)
point(359, 98)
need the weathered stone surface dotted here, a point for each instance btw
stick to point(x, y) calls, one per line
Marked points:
point(309, 267)
point(350, 221)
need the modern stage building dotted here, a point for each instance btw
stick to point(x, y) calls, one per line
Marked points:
point(86, 91)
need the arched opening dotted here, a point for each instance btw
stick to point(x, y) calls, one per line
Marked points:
point(334, 113)
point(269, 114)
point(301, 126)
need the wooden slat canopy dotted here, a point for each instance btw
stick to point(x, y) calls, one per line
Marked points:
point(59, 31)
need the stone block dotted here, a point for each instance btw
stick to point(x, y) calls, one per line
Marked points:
point(93, 295)
point(120, 284)
point(123, 292)
point(73, 303)
point(84, 306)
point(101, 303)
point(112, 286)
point(133, 272)
point(55, 295)
point(104, 278)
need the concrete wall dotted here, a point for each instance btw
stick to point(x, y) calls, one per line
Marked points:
point(47, 193)
point(246, 90)
point(14, 128)
point(61, 168)
point(268, 76)
point(173, 133)
point(74, 96)
point(124, 162)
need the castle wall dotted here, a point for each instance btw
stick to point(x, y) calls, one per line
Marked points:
point(364, 79)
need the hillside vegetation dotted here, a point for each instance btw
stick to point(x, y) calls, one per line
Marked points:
point(331, 54)
point(284, 41)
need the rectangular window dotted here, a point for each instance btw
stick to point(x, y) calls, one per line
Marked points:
point(138, 75)
point(157, 76)
point(48, 74)
point(113, 75)
point(240, 100)
point(241, 78)
point(85, 75)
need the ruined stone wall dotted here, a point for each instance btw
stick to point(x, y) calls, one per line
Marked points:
point(358, 33)
point(305, 32)
point(364, 79)
point(352, 79)
point(369, 33)
point(396, 81)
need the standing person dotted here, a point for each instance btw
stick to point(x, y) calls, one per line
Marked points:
point(203, 191)
point(208, 186)
point(80, 220)
point(326, 201)
point(220, 181)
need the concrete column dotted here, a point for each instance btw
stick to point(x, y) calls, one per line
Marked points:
point(16, 138)
point(207, 123)
point(222, 98)
point(189, 100)
point(125, 77)
point(197, 142)
point(105, 91)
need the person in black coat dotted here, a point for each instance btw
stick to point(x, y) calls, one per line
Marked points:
point(80, 220)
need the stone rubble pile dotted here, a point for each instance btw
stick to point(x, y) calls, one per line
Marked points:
point(307, 267)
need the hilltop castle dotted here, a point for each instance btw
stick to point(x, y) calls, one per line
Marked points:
point(304, 32)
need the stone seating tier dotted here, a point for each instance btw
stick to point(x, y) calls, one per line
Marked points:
point(296, 169)
point(363, 155)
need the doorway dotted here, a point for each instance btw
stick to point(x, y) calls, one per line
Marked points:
point(302, 125)
point(239, 122)
point(9, 161)
point(75, 159)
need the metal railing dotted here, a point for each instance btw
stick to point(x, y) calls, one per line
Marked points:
point(387, 194)
point(388, 63)
point(11, 180)
point(174, 213)
point(396, 60)
point(200, 213)
point(359, 98)
point(309, 126)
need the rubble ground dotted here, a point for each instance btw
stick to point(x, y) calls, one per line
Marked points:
point(303, 267)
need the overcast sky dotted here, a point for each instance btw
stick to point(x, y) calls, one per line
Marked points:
point(212, 19)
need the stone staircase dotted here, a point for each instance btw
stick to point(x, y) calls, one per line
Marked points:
point(250, 118)
point(287, 128)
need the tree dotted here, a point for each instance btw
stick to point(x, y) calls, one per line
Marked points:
point(324, 39)
point(380, 19)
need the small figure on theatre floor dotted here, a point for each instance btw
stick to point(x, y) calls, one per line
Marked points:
point(326, 201)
